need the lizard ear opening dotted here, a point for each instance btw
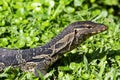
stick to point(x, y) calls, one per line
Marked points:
point(75, 31)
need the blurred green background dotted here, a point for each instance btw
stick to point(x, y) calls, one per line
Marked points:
point(32, 23)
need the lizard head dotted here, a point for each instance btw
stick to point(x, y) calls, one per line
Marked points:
point(86, 29)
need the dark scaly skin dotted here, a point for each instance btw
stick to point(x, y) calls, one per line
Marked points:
point(42, 57)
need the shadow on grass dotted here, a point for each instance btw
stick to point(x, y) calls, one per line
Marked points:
point(77, 58)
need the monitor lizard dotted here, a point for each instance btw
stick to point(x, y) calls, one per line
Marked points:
point(42, 57)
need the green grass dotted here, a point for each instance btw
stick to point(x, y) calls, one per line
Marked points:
point(34, 23)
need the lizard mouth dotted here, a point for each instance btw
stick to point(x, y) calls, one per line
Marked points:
point(99, 29)
point(95, 30)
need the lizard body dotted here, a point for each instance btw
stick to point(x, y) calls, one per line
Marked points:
point(40, 58)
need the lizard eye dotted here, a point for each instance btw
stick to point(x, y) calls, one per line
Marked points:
point(89, 27)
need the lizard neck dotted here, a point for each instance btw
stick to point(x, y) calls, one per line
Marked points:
point(40, 50)
point(57, 44)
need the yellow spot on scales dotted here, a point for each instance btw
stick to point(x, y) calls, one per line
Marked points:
point(93, 32)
